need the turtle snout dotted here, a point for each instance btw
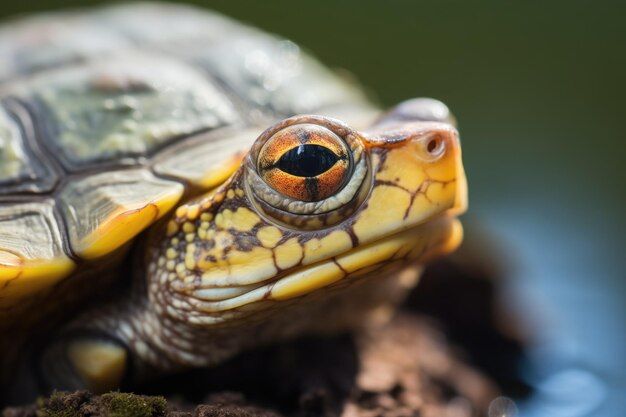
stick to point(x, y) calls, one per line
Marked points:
point(438, 151)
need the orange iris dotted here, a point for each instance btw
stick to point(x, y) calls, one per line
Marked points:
point(305, 162)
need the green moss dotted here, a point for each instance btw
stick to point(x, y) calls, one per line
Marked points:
point(62, 404)
point(113, 404)
point(120, 404)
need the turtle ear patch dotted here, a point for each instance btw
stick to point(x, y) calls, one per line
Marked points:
point(306, 162)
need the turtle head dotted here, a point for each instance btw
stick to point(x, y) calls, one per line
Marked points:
point(314, 204)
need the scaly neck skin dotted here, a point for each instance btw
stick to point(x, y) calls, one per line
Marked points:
point(370, 300)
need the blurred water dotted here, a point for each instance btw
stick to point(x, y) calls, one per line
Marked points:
point(572, 301)
point(538, 89)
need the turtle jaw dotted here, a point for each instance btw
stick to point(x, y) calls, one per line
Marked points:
point(415, 245)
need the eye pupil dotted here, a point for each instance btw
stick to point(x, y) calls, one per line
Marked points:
point(307, 160)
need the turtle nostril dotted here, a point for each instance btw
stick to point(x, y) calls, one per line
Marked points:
point(434, 146)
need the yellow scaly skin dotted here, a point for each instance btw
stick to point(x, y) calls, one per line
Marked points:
point(227, 272)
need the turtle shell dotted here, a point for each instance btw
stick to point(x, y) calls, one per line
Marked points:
point(109, 118)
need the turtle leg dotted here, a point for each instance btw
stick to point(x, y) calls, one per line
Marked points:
point(94, 351)
point(98, 349)
point(129, 340)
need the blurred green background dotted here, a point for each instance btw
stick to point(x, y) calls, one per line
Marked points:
point(538, 89)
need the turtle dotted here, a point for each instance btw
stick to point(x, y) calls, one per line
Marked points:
point(177, 187)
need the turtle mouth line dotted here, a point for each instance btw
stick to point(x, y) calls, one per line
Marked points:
point(434, 236)
point(427, 239)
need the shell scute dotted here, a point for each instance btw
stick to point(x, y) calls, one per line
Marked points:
point(123, 107)
point(31, 251)
point(20, 170)
point(275, 76)
point(42, 42)
point(104, 211)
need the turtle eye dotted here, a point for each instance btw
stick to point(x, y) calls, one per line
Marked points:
point(308, 171)
point(306, 162)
